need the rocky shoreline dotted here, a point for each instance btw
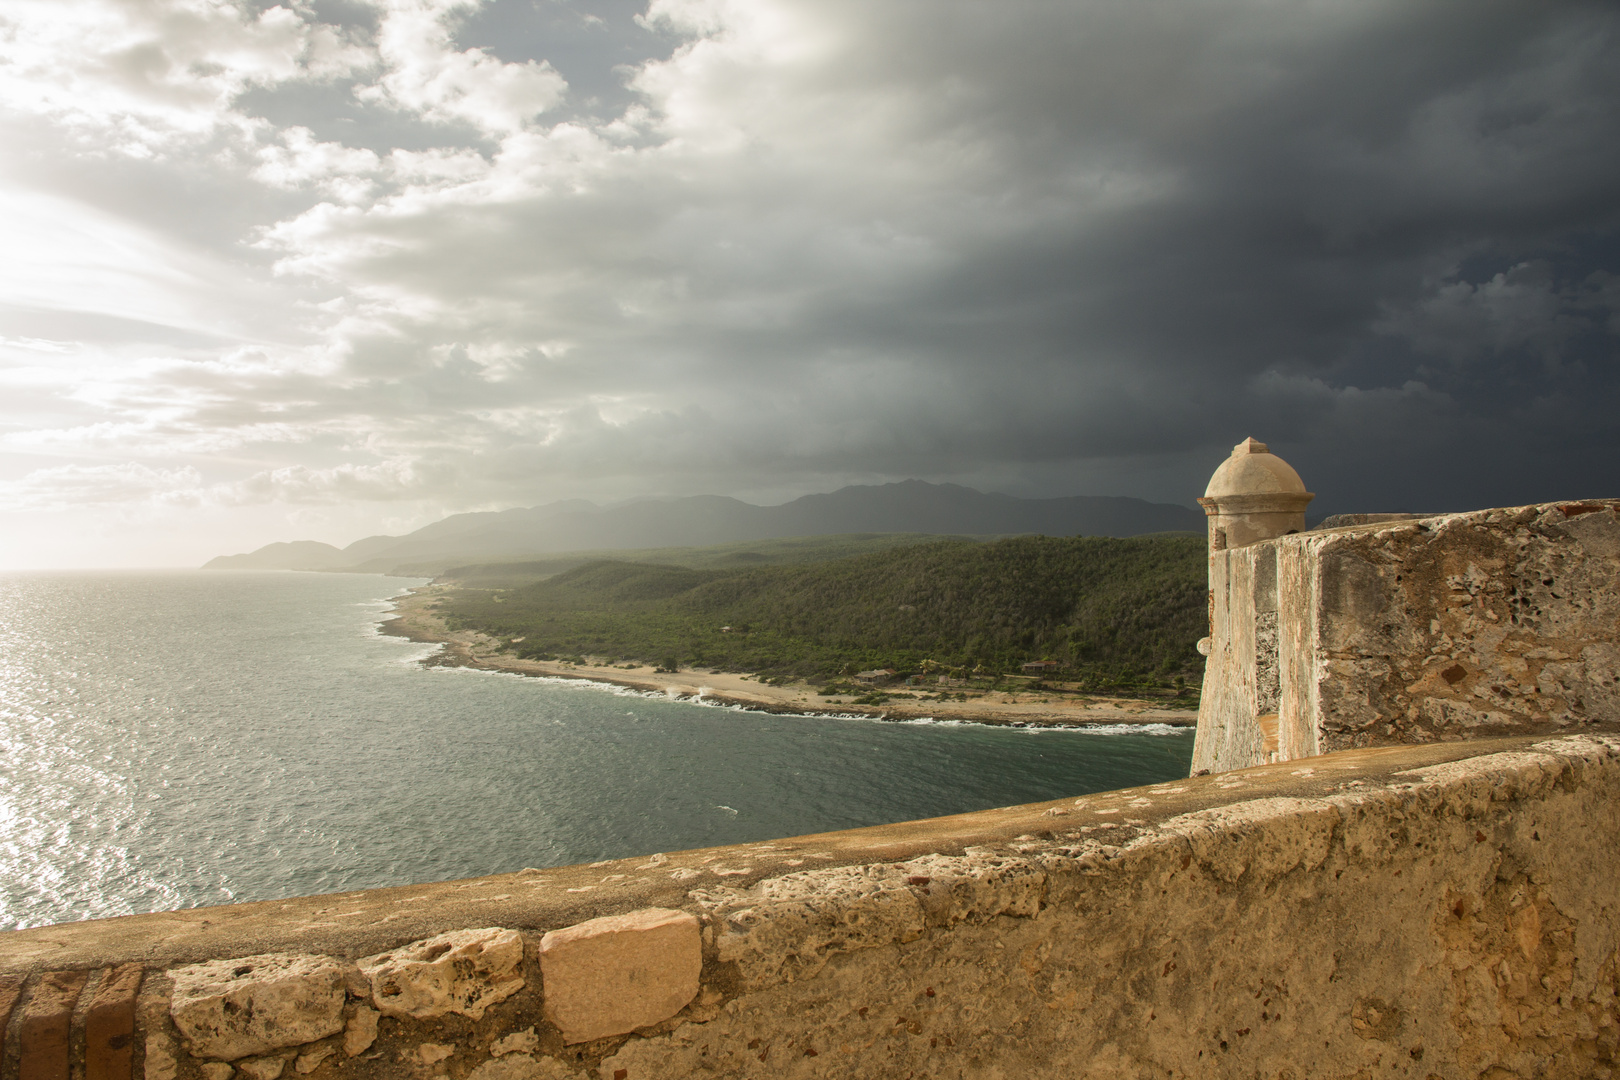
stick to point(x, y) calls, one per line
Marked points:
point(415, 620)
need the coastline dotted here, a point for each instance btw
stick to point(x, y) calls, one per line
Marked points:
point(414, 619)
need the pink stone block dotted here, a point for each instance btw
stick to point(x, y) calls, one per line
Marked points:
point(612, 975)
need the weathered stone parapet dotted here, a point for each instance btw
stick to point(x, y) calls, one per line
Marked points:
point(1413, 630)
point(1439, 910)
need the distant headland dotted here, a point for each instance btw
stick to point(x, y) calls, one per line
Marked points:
point(417, 618)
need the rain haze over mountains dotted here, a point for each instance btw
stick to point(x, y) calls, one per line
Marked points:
point(327, 269)
point(578, 526)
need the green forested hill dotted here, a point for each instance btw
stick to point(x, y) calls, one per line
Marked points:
point(747, 555)
point(1112, 611)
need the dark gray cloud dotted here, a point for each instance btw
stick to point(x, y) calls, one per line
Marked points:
point(467, 255)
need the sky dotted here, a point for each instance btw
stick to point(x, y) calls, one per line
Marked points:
point(329, 268)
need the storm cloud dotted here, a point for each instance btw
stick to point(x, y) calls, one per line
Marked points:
point(329, 268)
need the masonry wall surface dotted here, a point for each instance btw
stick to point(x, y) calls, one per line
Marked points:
point(1446, 910)
point(1450, 627)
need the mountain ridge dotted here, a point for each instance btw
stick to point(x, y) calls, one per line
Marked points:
point(909, 506)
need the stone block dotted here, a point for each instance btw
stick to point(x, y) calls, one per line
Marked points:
point(10, 991)
point(519, 1042)
point(787, 928)
point(160, 1060)
point(265, 1068)
point(46, 1021)
point(612, 975)
point(109, 1026)
point(433, 1053)
point(464, 971)
point(229, 1009)
point(361, 1031)
point(311, 1059)
point(1597, 530)
point(524, 1067)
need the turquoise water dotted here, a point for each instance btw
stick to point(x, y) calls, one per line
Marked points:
point(173, 739)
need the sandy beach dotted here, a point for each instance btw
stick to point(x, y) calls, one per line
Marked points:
point(415, 619)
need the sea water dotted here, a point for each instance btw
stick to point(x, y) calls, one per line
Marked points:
point(171, 739)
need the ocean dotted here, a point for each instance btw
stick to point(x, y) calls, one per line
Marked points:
point(172, 739)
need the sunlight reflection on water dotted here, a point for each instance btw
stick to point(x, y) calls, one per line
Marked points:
point(173, 739)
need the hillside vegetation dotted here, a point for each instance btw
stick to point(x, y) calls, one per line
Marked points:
point(736, 556)
point(1113, 612)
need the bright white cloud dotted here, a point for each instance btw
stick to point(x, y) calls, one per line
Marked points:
point(148, 74)
point(300, 160)
point(428, 75)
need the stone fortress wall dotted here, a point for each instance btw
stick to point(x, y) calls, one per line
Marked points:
point(1397, 629)
point(1421, 901)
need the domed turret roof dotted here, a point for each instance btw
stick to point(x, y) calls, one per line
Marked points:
point(1254, 470)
